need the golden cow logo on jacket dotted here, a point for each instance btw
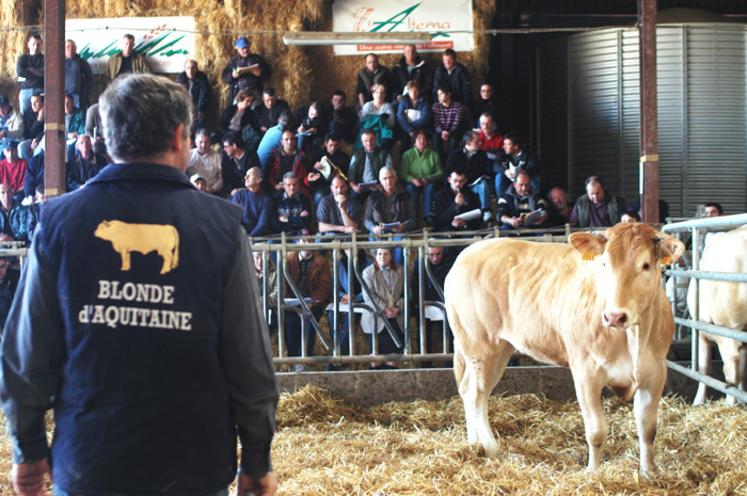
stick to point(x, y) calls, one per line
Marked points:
point(141, 238)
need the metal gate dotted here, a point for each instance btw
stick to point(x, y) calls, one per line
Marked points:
point(697, 229)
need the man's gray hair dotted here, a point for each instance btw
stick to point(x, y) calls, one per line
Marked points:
point(388, 168)
point(289, 175)
point(140, 113)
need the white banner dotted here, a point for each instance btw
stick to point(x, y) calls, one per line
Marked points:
point(382, 16)
point(167, 42)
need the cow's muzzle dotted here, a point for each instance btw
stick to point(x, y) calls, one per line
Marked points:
point(615, 319)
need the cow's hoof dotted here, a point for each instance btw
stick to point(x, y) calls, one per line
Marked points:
point(490, 450)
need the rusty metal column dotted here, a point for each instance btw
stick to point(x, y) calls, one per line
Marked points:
point(54, 92)
point(649, 161)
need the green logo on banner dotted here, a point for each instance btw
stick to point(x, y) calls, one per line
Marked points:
point(397, 19)
point(162, 46)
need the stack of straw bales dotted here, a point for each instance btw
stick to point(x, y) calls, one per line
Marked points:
point(299, 74)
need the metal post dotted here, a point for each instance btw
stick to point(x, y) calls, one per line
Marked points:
point(265, 286)
point(352, 262)
point(649, 161)
point(695, 334)
point(280, 281)
point(335, 324)
point(406, 281)
point(54, 91)
point(421, 299)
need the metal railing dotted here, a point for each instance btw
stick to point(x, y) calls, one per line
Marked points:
point(414, 247)
point(697, 228)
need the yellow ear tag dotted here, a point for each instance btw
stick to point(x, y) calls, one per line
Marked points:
point(589, 255)
point(666, 260)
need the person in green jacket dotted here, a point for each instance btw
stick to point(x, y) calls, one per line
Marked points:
point(420, 169)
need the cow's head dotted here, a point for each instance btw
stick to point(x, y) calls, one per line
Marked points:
point(628, 258)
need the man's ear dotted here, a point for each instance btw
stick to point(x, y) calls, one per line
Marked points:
point(668, 248)
point(178, 140)
point(589, 245)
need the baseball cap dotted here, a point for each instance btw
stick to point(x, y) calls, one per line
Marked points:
point(196, 177)
point(8, 144)
point(242, 42)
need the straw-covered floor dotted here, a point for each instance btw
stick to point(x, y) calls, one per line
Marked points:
point(328, 447)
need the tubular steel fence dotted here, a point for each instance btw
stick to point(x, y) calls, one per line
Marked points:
point(412, 339)
point(697, 228)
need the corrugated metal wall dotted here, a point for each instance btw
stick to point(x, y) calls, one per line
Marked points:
point(702, 113)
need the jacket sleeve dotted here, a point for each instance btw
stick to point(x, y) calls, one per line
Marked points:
point(203, 91)
point(368, 219)
point(402, 117)
point(33, 354)
point(264, 222)
point(247, 363)
point(437, 170)
point(227, 75)
point(86, 83)
point(404, 167)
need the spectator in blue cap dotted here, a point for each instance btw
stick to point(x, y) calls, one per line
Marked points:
point(246, 71)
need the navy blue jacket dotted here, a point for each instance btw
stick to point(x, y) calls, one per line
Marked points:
point(131, 321)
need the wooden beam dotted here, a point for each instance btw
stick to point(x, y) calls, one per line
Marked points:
point(649, 138)
point(54, 93)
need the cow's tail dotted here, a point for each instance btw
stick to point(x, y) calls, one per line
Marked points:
point(458, 364)
point(175, 251)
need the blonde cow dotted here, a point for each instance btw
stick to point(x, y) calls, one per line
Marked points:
point(595, 305)
point(722, 303)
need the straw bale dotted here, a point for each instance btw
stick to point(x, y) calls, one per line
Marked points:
point(299, 74)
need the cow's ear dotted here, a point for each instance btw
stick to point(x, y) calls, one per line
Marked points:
point(668, 248)
point(589, 245)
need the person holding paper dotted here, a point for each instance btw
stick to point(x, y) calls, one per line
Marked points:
point(413, 114)
point(390, 209)
point(366, 163)
point(312, 274)
point(455, 207)
point(247, 71)
point(520, 206)
point(328, 163)
point(474, 163)
point(515, 158)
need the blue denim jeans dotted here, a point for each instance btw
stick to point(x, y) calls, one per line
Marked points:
point(59, 492)
point(427, 192)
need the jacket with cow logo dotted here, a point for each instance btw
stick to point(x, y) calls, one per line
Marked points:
point(132, 321)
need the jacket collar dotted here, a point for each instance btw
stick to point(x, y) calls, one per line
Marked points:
point(141, 170)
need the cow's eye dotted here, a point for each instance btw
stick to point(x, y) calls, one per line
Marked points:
point(646, 266)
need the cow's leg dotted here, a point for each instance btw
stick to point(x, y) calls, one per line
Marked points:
point(479, 378)
point(645, 408)
point(704, 367)
point(125, 260)
point(729, 350)
point(589, 386)
point(166, 255)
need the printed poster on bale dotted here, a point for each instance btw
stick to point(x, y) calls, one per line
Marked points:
point(167, 42)
point(448, 21)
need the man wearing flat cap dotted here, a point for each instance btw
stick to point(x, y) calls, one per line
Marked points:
point(246, 71)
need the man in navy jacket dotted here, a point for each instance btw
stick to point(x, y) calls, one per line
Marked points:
point(131, 321)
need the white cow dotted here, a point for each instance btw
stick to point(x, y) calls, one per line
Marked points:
point(723, 304)
point(595, 306)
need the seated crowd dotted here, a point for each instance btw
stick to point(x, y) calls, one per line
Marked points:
point(417, 150)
